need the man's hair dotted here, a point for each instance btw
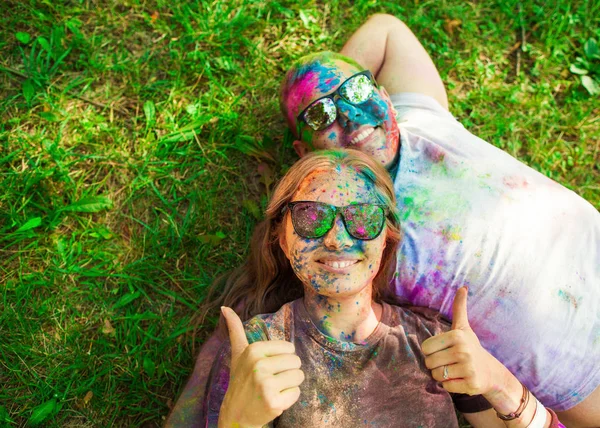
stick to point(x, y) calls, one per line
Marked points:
point(296, 77)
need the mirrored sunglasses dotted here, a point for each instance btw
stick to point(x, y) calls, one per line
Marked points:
point(356, 90)
point(314, 219)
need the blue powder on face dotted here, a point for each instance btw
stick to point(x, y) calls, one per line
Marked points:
point(372, 112)
point(328, 79)
point(331, 136)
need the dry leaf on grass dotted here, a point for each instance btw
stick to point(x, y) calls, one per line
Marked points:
point(107, 328)
point(451, 24)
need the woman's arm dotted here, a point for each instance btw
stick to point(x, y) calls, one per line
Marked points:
point(457, 359)
point(485, 419)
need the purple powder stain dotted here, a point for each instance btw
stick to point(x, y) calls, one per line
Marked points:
point(515, 182)
point(435, 153)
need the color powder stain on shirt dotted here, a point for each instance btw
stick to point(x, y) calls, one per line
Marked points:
point(568, 297)
point(515, 182)
point(435, 153)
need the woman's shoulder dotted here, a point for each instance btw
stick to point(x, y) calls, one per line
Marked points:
point(273, 326)
point(418, 320)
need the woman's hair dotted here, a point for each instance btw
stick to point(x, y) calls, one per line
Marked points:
point(266, 281)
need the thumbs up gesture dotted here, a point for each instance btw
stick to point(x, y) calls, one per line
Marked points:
point(264, 378)
point(457, 359)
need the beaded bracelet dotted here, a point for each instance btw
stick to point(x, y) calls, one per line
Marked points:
point(517, 413)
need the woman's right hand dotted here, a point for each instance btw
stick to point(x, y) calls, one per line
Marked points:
point(264, 378)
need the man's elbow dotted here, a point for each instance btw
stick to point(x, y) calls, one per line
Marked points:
point(385, 20)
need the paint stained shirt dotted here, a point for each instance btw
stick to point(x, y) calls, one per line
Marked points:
point(527, 247)
point(382, 382)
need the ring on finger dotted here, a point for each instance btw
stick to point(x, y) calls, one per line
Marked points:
point(445, 375)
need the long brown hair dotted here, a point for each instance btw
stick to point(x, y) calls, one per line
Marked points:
point(266, 281)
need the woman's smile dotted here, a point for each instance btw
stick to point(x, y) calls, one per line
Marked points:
point(339, 265)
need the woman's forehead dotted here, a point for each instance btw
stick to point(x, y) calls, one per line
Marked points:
point(341, 185)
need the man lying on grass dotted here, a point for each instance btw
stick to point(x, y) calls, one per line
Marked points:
point(527, 248)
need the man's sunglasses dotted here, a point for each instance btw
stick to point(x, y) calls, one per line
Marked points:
point(314, 219)
point(322, 112)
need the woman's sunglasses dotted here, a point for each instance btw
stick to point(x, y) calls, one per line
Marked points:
point(323, 112)
point(314, 219)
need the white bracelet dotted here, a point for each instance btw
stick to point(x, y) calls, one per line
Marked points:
point(539, 417)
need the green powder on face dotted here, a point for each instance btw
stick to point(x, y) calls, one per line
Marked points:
point(307, 137)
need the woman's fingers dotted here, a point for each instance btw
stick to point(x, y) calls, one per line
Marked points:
point(442, 341)
point(289, 396)
point(459, 386)
point(441, 358)
point(276, 364)
point(452, 371)
point(288, 379)
point(269, 348)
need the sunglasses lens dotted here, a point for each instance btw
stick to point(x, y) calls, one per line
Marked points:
point(358, 89)
point(312, 219)
point(320, 114)
point(364, 221)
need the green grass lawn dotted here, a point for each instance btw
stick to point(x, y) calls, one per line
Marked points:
point(139, 141)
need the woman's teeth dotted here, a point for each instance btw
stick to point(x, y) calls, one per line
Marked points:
point(339, 265)
point(362, 135)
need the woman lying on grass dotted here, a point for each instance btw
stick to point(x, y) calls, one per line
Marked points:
point(330, 347)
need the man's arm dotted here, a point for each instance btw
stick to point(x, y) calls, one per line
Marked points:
point(387, 47)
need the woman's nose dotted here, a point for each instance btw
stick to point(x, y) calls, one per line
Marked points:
point(338, 237)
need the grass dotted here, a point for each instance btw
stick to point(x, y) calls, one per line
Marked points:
point(138, 145)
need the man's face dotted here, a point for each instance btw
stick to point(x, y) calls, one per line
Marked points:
point(369, 127)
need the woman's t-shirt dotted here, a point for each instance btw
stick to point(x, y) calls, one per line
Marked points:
point(381, 382)
point(527, 247)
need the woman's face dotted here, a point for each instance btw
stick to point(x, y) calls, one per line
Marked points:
point(337, 264)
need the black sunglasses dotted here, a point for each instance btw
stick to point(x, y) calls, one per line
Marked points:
point(314, 219)
point(322, 112)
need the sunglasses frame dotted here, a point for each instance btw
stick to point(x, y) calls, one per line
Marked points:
point(331, 96)
point(338, 210)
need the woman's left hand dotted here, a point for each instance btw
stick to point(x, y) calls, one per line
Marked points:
point(457, 359)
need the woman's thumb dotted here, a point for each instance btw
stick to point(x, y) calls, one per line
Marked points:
point(460, 319)
point(237, 335)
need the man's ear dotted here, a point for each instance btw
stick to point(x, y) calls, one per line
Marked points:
point(301, 148)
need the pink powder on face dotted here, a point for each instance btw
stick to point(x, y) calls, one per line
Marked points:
point(361, 230)
point(302, 90)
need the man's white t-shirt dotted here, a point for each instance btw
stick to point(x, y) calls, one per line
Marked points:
point(527, 248)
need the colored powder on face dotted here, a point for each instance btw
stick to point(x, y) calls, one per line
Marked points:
point(307, 137)
point(304, 84)
point(332, 136)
